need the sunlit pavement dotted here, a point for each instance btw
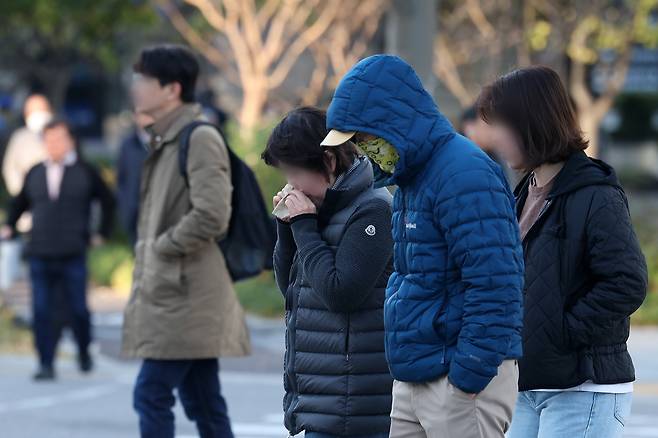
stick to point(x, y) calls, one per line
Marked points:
point(99, 405)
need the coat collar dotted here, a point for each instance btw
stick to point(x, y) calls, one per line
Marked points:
point(167, 128)
point(69, 160)
point(578, 171)
point(354, 182)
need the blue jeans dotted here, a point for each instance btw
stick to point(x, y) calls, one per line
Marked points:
point(197, 382)
point(325, 435)
point(570, 414)
point(49, 276)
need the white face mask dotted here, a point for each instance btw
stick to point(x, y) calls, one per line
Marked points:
point(36, 121)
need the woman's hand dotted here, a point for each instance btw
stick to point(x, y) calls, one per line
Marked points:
point(298, 203)
point(276, 200)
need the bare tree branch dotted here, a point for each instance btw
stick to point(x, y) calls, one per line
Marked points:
point(303, 41)
point(194, 39)
point(266, 39)
point(210, 12)
point(447, 71)
point(474, 10)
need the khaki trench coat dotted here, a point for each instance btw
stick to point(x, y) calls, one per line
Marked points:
point(182, 304)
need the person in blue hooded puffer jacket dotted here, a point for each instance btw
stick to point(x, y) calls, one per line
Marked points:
point(453, 305)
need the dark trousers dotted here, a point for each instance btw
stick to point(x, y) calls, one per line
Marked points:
point(50, 277)
point(197, 382)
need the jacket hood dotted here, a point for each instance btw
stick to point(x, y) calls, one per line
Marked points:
point(382, 95)
point(579, 171)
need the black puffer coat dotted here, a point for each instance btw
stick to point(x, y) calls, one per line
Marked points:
point(333, 269)
point(585, 275)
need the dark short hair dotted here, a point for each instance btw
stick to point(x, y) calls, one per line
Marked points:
point(58, 122)
point(168, 64)
point(61, 122)
point(295, 141)
point(533, 102)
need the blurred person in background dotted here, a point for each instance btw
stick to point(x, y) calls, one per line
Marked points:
point(585, 273)
point(211, 110)
point(183, 312)
point(332, 261)
point(24, 150)
point(132, 153)
point(475, 129)
point(59, 193)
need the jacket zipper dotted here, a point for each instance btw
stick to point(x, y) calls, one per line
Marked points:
point(347, 339)
point(292, 322)
point(404, 226)
point(542, 212)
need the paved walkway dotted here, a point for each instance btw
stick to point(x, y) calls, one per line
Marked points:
point(99, 405)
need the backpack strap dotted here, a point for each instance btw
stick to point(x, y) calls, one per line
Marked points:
point(184, 145)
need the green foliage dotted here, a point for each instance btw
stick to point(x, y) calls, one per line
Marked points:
point(88, 28)
point(595, 26)
point(260, 296)
point(13, 337)
point(104, 261)
point(647, 231)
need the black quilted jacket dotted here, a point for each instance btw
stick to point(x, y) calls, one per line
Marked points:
point(585, 276)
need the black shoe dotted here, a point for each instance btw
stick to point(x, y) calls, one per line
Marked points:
point(85, 363)
point(45, 373)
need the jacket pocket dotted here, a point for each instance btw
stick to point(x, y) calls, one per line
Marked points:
point(163, 275)
point(622, 407)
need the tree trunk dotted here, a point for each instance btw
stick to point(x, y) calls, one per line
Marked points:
point(253, 104)
point(590, 125)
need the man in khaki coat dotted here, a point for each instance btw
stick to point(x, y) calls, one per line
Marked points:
point(183, 312)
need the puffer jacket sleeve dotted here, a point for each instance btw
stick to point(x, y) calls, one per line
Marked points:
point(476, 212)
point(284, 253)
point(616, 262)
point(209, 173)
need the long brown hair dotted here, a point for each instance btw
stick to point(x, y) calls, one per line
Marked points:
point(534, 103)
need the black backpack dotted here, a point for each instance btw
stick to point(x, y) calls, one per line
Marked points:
point(249, 245)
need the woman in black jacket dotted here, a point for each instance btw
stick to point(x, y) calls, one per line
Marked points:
point(332, 262)
point(585, 272)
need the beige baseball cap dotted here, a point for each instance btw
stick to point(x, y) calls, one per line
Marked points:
point(336, 137)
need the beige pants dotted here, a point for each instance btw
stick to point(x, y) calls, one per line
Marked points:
point(437, 409)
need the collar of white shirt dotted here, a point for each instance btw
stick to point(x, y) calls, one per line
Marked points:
point(69, 160)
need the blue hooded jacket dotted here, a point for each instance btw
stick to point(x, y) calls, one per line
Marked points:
point(454, 303)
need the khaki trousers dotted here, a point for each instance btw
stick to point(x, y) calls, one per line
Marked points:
point(438, 409)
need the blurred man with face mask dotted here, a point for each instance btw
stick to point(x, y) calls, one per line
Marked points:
point(24, 150)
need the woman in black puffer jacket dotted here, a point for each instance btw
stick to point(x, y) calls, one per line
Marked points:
point(332, 261)
point(585, 272)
